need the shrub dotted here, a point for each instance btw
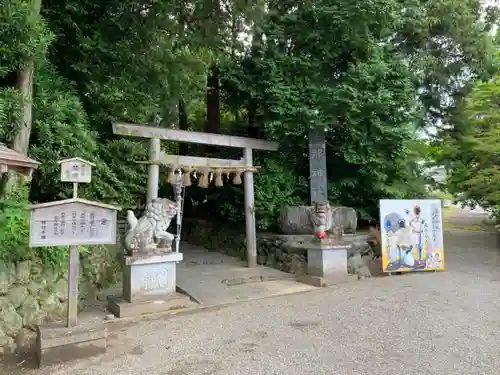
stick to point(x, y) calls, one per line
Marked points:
point(14, 232)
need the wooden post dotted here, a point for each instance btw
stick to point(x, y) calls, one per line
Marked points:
point(74, 262)
point(73, 268)
point(250, 211)
point(154, 169)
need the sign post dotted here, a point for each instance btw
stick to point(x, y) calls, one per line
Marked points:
point(73, 222)
point(74, 170)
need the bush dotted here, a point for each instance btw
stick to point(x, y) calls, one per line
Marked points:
point(10, 107)
point(276, 186)
point(14, 233)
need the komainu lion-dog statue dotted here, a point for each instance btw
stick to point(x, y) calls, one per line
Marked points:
point(148, 234)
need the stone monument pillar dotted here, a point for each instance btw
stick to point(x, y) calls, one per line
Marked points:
point(149, 274)
point(317, 166)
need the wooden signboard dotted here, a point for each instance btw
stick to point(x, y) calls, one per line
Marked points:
point(76, 170)
point(72, 222)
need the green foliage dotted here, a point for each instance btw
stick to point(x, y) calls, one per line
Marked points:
point(121, 156)
point(14, 226)
point(128, 60)
point(342, 78)
point(276, 185)
point(10, 108)
point(449, 45)
point(371, 73)
point(14, 233)
point(62, 130)
point(23, 35)
point(472, 151)
point(14, 222)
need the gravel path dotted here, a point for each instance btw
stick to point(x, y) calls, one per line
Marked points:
point(437, 323)
point(434, 323)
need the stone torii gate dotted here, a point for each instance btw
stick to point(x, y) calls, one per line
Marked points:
point(156, 134)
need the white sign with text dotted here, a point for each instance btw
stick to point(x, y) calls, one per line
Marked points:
point(72, 222)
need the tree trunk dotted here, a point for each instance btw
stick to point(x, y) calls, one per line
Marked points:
point(213, 106)
point(183, 125)
point(253, 130)
point(25, 86)
point(213, 102)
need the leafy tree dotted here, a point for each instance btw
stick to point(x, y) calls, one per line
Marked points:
point(371, 73)
point(473, 152)
point(128, 60)
point(449, 45)
point(314, 67)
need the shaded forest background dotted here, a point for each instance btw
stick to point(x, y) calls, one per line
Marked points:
point(376, 74)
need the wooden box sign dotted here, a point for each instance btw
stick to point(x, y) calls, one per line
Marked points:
point(72, 222)
point(76, 170)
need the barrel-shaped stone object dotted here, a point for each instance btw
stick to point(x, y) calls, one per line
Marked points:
point(296, 220)
point(345, 217)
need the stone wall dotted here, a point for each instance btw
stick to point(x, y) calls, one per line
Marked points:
point(31, 294)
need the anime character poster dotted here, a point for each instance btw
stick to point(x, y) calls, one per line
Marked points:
point(412, 235)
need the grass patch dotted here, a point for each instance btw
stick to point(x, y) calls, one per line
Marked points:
point(476, 228)
point(485, 224)
point(447, 211)
point(463, 227)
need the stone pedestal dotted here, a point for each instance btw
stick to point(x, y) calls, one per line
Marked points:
point(150, 276)
point(57, 343)
point(326, 263)
point(149, 286)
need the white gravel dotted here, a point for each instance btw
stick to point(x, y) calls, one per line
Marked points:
point(434, 323)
